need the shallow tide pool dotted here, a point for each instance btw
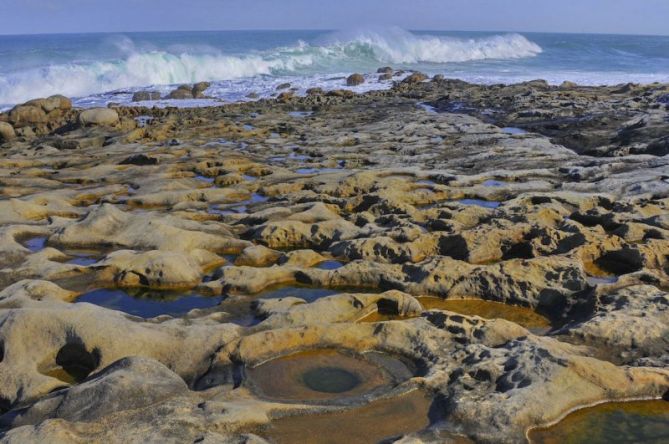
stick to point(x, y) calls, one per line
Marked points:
point(148, 304)
point(610, 423)
point(513, 131)
point(309, 294)
point(480, 203)
point(35, 244)
point(525, 317)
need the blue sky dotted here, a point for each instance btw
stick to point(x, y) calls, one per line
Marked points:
point(596, 16)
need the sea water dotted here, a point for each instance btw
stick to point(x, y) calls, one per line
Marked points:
point(96, 69)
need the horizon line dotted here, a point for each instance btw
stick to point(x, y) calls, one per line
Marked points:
point(324, 30)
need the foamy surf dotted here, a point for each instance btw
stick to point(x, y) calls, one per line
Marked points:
point(399, 46)
point(337, 53)
point(96, 69)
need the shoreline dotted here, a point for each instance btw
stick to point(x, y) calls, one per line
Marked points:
point(438, 95)
point(370, 79)
point(212, 271)
point(105, 67)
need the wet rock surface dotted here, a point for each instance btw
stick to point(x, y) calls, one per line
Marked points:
point(439, 262)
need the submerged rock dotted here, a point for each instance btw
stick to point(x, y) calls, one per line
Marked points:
point(141, 96)
point(181, 93)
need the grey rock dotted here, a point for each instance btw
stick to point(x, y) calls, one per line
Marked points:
point(142, 96)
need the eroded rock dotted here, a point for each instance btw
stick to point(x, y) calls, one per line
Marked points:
point(379, 228)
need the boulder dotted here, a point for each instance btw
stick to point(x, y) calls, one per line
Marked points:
point(51, 103)
point(315, 92)
point(181, 93)
point(56, 102)
point(385, 70)
point(25, 132)
point(25, 115)
point(539, 84)
point(285, 96)
point(416, 77)
point(385, 77)
point(355, 80)
point(6, 132)
point(199, 89)
point(568, 85)
point(283, 86)
point(98, 116)
point(141, 96)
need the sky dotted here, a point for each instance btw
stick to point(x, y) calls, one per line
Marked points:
point(581, 16)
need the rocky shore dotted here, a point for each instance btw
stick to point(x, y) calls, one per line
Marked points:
point(437, 262)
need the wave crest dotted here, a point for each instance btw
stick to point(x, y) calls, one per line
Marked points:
point(336, 53)
point(140, 69)
point(399, 46)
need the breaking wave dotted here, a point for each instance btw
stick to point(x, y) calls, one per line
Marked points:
point(338, 52)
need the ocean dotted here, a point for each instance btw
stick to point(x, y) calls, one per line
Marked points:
point(95, 69)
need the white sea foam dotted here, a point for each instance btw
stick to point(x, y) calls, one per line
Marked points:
point(396, 45)
point(140, 66)
point(139, 69)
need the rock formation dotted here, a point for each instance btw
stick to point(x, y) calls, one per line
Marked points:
point(335, 248)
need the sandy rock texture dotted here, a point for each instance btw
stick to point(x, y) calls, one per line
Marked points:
point(493, 256)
